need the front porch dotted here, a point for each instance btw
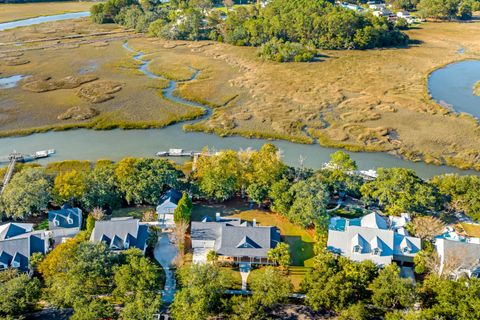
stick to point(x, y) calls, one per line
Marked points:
point(245, 259)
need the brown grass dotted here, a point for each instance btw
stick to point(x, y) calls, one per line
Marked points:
point(373, 100)
point(11, 12)
point(476, 88)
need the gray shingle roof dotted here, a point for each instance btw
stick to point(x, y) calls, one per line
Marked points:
point(234, 239)
point(172, 196)
point(116, 232)
point(11, 230)
point(20, 248)
point(67, 217)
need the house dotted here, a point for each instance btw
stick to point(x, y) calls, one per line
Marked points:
point(233, 240)
point(66, 217)
point(121, 233)
point(18, 242)
point(167, 205)
point(64, 224)
point(371, 238)
point(459, 257)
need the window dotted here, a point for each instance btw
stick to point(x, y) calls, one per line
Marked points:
point(406, 249)
point(69, 220)
point(376, 251)
point(357, 249)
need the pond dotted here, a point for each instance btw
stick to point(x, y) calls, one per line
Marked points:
point(452, 87)
point(42, 19)
point(10, 82)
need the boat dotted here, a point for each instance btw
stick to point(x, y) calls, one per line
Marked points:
point(43, 154)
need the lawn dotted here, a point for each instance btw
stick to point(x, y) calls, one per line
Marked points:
point(11, 12)
point(295, 275)
point(301, 241)
point(473, 230)
point(136, 212)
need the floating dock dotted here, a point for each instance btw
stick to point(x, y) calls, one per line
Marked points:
point(19, 157)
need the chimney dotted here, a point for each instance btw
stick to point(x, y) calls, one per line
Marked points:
point(254, 222)
point(217, 216)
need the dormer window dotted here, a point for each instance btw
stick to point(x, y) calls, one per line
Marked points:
point(2, 266)
point(357, 249)
point(376, 251)
point(69, 220)
point(56, 222)
point(15, 264)
point(406, 250)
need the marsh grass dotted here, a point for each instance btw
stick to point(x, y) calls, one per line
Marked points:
point(13, 12)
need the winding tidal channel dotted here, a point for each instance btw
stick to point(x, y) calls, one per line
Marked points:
point(85, 144)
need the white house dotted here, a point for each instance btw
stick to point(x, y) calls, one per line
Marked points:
point(370, 238)
point(166, 206)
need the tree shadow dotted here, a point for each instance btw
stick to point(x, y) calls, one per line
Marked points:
point(300, 250)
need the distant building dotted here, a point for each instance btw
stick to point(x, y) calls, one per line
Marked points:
point(370, 238)
point(166, 206)
point(18, 242)
point(234, 241)
point(121, 233)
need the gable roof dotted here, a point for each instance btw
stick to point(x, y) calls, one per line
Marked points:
point(371, 232)
point(13, 229)
point(172, 196)
point(19, 249)
point(116, 232)
point(66, 217)
point(234, 238)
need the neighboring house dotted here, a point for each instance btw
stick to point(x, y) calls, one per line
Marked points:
point(234, 241)
point(13, 229)
point(166, 206)
point(458, 257)
point(370, 238)
point(64, 224)
point(66, 217)
point(18, 242)
point(121, 233)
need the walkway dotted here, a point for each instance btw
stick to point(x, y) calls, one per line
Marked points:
point(165, 252)
point(244, 272)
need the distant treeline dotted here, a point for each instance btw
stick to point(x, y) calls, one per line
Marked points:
point(33, 1)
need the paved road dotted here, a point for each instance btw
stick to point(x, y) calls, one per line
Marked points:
point(165, 252)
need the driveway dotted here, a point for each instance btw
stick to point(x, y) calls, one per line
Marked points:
point(165, 252)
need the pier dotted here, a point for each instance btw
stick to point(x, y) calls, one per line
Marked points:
point(15, 157)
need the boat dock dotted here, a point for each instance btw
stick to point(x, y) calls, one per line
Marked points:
point(20, 157)
point(177, 153)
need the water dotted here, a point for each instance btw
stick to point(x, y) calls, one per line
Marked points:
point(116, 144)
point(453, 86)
point(10, 82)
point(42, 19)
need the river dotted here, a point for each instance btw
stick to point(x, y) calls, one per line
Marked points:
point(452, 86)
point(115, 144)
point(42, 19)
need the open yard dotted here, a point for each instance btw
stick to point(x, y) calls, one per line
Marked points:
point(11, 12)
point(373, 100)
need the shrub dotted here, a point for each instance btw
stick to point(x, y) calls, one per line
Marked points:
point(280, 51)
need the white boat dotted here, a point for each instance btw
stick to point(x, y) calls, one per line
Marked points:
point(43, 153)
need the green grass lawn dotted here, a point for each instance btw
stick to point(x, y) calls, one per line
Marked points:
point(235, 276)
point(295, 275)
point(300, 240)
point(136, 212)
